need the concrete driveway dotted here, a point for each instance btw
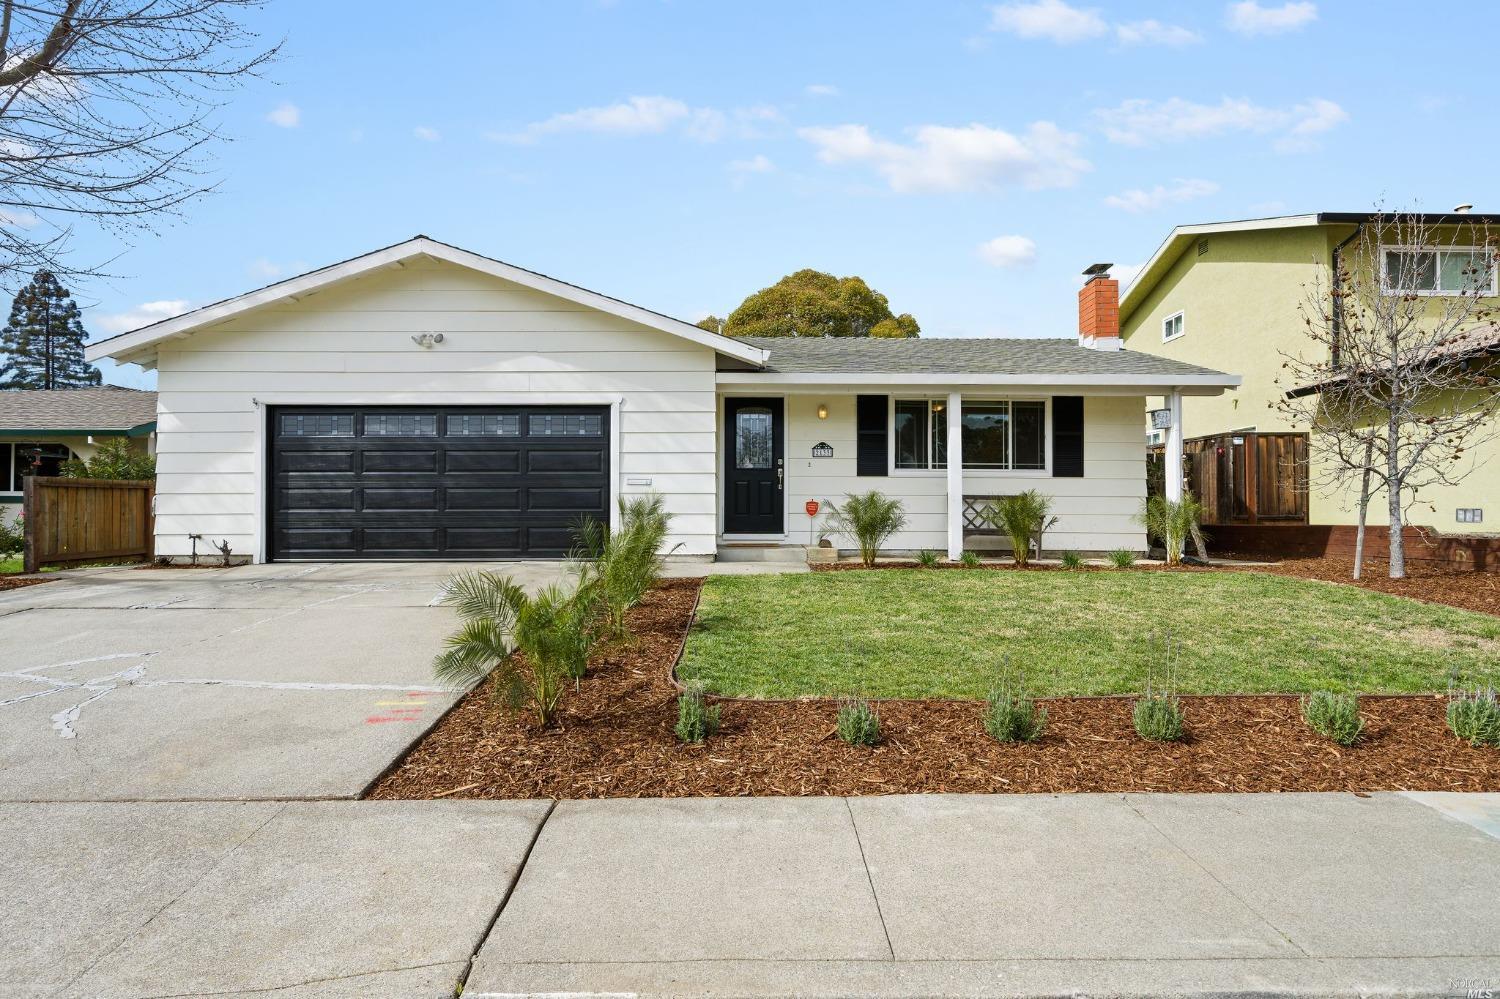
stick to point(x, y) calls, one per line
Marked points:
point(268, 681)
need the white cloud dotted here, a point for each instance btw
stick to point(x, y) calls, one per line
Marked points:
point(758, 163)
point(426, 133)
point(821, 90)
point(19, 218)
point(1008, 251)
point(1139, 122)
point(285, 116)
point(1049, 19)
point(1250, 18)
point(638, 116)
point(1126, 273)
point(964, 158)
point(142, 315)
point(1141, 200)
point(260, 267)
point(1153, 32)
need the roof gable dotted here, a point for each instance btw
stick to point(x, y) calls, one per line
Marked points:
point(139, 346)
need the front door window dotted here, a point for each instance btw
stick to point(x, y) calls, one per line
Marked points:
point(752, 438)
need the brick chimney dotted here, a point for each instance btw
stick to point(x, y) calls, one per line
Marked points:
point(1099, 310)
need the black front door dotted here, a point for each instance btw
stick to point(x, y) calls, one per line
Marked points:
point(754, 467)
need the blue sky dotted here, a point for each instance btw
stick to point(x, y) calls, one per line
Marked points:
point(967, 159)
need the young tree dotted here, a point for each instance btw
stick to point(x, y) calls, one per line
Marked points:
point(1399, 383)
point(106, 113)
point(41, 346)
point(812, 303)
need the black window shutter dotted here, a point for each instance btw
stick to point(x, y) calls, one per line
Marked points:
point(1067, 436)
point(870, 456)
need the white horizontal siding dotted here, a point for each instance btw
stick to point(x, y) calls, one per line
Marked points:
point(351, 345)
point(1094, 513)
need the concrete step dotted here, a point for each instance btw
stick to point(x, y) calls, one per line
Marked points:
point(749, 551)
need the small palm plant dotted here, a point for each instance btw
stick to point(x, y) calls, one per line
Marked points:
point(1024, 519)
point(529, 645)
point(616, 568)
point(1171, 521)
point(870, 519)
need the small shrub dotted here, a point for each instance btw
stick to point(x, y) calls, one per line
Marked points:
point(1072, 560)
point(1122, 558)
point(696, 720)
point(969, 560)
point(870, 519)
point(1158, 717)
point(115, 458)
point(1474, 716)
point(1171, 522)
point(1024, 519)
point(858, 724)
point(1011, 715)
point(927, 558)
point(1333, 716)
point(12, 538)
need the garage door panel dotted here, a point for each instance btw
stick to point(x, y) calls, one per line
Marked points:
point(462, 462)
point(446, 482)
point(483, 499)
point(379, 461)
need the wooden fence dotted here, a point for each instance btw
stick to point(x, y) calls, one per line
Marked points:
point(1244, 478)
point(73, 521)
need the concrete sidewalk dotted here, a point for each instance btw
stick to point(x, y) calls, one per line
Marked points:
point(1313, 894)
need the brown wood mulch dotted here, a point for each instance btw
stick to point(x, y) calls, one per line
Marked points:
point(616, 740)
point(1456, 587)
point(16, 582)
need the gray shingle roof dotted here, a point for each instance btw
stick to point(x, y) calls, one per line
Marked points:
point(964, 356)
point(104, 408)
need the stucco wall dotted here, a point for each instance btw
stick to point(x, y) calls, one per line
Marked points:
point(1240, 301)
point(351, 344)
point(1095, 513)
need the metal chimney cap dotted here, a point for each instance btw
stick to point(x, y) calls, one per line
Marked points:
point(1462, 209)
point(1094, 270)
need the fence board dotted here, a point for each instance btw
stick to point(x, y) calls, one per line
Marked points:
point(68, 521)
point(1244, 478)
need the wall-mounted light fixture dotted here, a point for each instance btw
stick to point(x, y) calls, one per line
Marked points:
point(822, 410)
point(426, 340)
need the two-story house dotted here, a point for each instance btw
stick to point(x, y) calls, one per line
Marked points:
point(1231, 295)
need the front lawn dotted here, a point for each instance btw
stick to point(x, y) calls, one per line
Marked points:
point(921, 633)
point(10, 565)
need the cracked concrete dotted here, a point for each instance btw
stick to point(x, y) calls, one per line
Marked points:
point(126, 684)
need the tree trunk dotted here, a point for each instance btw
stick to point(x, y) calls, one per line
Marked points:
point(1393, 481)
point(1364, 509)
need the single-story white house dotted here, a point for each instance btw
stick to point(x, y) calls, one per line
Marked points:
point(426, 402)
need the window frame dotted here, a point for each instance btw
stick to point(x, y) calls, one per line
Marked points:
point(1181, 316)
point(1386, 288)
point(969, 470)
point(13, 484)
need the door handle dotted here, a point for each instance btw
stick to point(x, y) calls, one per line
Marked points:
point(779, 473)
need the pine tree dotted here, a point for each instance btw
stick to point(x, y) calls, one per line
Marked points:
point(41, 346)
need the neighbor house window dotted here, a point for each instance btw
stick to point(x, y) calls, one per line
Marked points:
point(1171, 327)
point(1434, 271)
point(998, 434)
point(30, 459)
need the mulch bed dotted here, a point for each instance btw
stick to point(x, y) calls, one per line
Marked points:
point(16, 582)
point(1462, 588)
point(616, 740)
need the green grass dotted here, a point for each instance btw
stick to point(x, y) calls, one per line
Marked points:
point(10, 565)
point(917, 633)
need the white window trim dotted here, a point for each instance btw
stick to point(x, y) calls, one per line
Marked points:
point(1179, 314)
point(8, 450)
point(969, 471)
point(1385, 284)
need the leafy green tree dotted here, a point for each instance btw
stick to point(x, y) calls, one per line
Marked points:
point(812, 303)
point(115, 459)
point(711, 323)
point(42, 343)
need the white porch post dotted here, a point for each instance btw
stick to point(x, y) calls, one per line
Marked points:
point(1174, 447)
point(955, 476)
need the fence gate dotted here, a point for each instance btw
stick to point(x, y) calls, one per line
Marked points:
point(73, 521)
point(1243, 478)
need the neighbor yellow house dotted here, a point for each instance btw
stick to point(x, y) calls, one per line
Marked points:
point(1228, 295)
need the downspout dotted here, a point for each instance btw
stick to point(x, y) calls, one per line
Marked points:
point(1338, 299)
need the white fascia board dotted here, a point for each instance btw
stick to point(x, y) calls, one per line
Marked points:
point(1171, 245)
point(752, 379)
point(123, 346)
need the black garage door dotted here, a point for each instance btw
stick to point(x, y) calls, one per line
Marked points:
point(431, 483)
